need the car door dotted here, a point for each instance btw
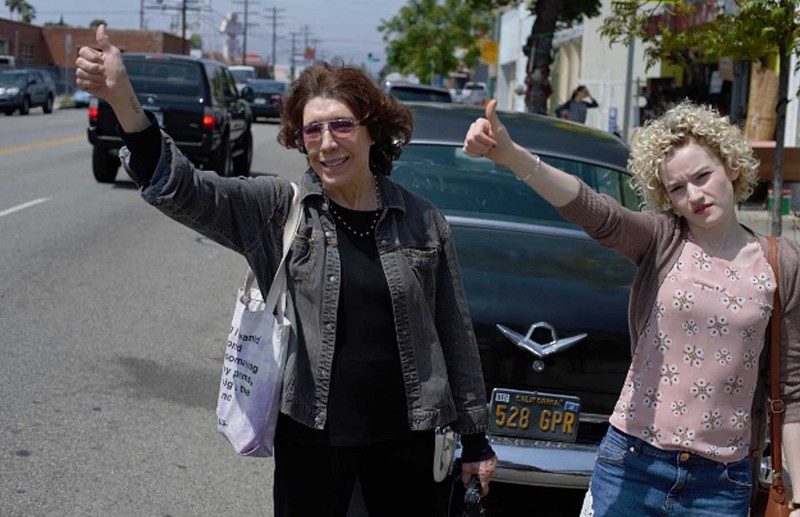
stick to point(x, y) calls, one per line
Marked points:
point(35, 85)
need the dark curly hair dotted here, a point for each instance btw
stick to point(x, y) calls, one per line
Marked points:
point(389, 122)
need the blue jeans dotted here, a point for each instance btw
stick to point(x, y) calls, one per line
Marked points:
point(634, 478)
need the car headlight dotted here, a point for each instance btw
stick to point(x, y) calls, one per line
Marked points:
point(12, 91)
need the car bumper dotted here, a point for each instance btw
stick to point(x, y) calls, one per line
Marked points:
point(540, 463)
point(202, 150)
point(260, 110)
point(10, 102)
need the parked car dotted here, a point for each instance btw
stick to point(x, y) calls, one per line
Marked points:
point(265, 97)
point(7, 61)
point(548, 304)
point(80, 98)
point(194, 100)
point(474, 94)
point(417, 92)
point(242, 74)
point(23, 88)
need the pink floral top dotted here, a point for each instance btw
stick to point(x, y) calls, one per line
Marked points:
point(692, 379)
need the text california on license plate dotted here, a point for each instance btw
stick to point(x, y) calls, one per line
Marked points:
point(535, 415)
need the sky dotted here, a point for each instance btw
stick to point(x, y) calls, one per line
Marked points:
point(340, 28)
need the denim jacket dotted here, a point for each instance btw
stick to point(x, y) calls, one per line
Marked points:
point(438, 351)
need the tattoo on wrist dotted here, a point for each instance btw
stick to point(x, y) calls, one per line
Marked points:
point(135, 104)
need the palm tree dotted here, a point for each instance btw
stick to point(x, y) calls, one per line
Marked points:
point(25, 10)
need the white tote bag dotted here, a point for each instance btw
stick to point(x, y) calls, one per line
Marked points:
point(252, 370)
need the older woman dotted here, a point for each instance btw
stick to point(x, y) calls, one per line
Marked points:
point(383, 351)
point(688, 424)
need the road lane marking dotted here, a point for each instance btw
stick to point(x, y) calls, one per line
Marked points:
point(23, 206)
point(46, 143)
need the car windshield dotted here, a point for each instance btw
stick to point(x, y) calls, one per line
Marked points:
point(268, 87)
point(477, 187)
point(410, 93)
point(11, 79)
point(163, 77)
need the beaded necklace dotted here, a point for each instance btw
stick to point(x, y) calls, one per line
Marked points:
point(347, 226)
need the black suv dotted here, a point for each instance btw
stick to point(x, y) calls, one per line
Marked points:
point(22, 89)
point(194, 100)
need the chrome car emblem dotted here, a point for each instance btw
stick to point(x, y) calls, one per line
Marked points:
point(540, 350)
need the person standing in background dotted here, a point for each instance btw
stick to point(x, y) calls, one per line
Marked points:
point(575, 108)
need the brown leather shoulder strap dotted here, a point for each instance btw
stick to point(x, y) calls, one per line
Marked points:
point(775, 402)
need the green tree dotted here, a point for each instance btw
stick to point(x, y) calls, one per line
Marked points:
point(426, 36)
point(97, 22)
point(751, 31)
point(59, 23)
point(551, 15)
point(25, 10)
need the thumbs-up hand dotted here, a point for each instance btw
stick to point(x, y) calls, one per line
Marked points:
point(488, 137)
point(100, 70)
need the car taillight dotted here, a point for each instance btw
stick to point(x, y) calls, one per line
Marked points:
point(208, 118)
point(277, 97)
point(93, 110)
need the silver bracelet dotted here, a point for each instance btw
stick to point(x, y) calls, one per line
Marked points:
point(534, 171)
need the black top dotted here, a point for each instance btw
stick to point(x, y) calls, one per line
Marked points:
point(367, 401)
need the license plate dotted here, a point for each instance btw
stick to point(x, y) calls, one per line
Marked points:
point(260, 101)
point(536, 415)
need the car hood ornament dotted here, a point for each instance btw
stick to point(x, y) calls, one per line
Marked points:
point(540, 350)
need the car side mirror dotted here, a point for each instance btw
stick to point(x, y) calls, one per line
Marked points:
point(247, 92)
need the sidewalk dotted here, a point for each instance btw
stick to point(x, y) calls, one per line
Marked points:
point(758, 221)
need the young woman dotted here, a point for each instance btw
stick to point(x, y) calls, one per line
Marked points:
point(689, 423)
point(575, 108)
point(383, 349)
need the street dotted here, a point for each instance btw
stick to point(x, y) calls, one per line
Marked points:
point(113, 319)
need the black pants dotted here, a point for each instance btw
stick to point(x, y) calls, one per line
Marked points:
point(317, 481)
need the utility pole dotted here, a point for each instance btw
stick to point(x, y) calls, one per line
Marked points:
point(273, 17)
point(291, 65)
point(183, 27)
point(244, 35)
point(305, 40)
point(183, 8)
point(244, 26)
point(141, 15)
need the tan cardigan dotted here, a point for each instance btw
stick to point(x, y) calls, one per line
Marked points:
point(653, 241)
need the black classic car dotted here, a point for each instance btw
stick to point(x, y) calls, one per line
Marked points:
point(194, 100)
point(548, 304)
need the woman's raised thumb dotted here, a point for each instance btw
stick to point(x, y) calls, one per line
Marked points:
point(103, 41)
point(491, 113)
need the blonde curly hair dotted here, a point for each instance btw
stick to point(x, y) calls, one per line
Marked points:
point(684, 123)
